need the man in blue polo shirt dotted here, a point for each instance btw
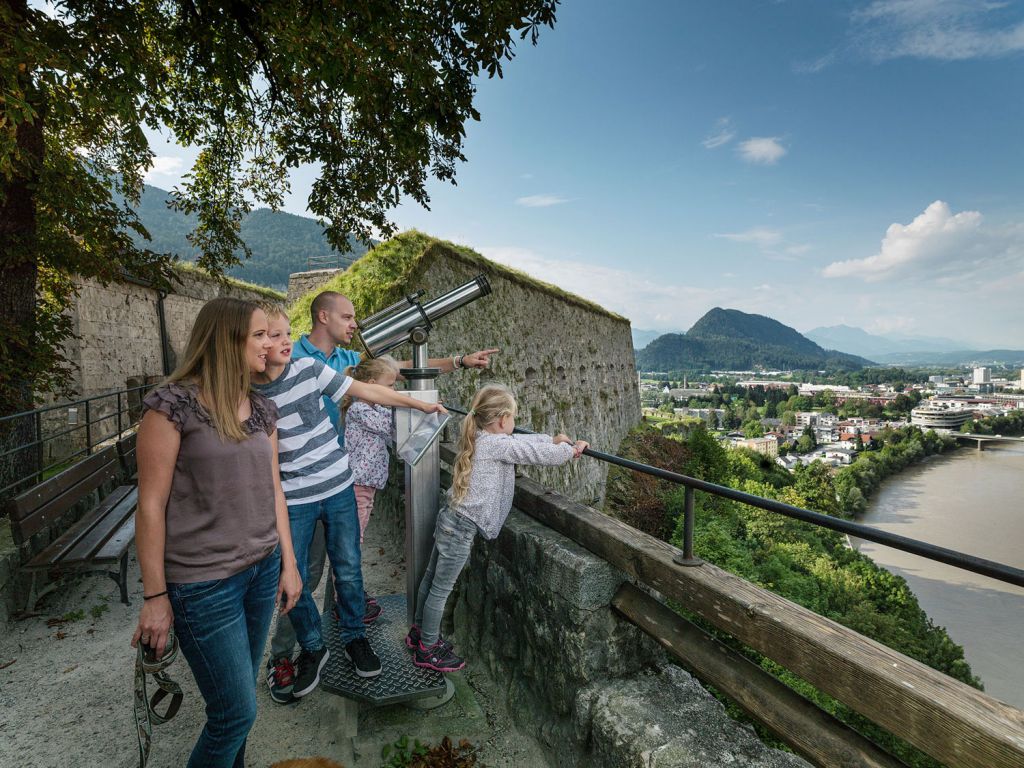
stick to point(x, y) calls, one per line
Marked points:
point(333, 326)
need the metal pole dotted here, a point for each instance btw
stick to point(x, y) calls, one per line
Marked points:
point(39, 446)
point(88, 429)
point(119, 415)
point(423, 481)
point(686, 556)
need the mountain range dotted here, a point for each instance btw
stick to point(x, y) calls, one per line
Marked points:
point(727, 339)
point(281, 243)
point(911, 350)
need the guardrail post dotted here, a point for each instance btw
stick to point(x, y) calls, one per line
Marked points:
point(119, 430)
point(88, 429)
point(39, 446)
point(686, 557)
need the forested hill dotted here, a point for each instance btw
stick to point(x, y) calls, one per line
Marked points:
point(281, 243)
point(727, 339)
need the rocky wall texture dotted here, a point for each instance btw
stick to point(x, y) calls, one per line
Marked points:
point(300, 283)
point(534, 607)
point(570, 362)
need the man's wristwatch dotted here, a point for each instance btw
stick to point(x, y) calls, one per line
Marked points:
point(457, 361)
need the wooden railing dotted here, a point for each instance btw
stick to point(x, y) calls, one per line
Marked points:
point(945, 718)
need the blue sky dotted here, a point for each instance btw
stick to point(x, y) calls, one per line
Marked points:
point(818, 162)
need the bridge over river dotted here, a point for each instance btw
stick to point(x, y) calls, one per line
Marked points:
point(981, 440)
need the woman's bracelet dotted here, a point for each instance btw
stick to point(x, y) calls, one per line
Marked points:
point(158, 594)
point(457, 361)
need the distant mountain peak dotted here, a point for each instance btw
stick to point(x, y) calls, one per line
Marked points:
point(729, 339)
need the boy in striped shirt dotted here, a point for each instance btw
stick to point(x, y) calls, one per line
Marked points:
point(317, 485)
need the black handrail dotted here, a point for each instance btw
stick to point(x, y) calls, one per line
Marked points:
point(990, 568)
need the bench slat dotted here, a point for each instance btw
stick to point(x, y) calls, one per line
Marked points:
point(126, 452)
point(119, 542)
point(54, 553)
point(87, 547)
point(23, 529)
point(24, 504)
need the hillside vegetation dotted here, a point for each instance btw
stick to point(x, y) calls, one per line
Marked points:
point(281, 243)
point(809, 565)
point(727, 339)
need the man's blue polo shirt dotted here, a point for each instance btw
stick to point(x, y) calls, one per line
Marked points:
point(339, 360)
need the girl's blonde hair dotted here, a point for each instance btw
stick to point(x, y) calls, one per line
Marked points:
point(215, 361)
point(273, 309)
point(369, 368)
point(489, 404)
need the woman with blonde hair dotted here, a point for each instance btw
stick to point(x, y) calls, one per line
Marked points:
point(480, 498)
point(212, 531)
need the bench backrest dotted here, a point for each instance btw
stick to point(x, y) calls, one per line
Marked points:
point(126, 453)
point(43, 504)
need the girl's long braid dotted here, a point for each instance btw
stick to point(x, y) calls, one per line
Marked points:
point(490, 403)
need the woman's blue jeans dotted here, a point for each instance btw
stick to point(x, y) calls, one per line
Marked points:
point(222, 627)
point(453, 541)
point(341, 535)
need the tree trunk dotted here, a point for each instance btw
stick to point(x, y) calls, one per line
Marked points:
point(19, 262)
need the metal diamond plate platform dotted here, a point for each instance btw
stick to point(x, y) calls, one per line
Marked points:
point(399, 679)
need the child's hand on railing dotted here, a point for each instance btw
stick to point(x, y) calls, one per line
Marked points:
point(434, 408)
point(560, 438)
point(579, 447)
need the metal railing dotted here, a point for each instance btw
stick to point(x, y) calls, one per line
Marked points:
point(87, 418)
point(990, 568)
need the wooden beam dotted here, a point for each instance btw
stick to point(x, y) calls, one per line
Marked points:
point(947, 719)
point(808, 729)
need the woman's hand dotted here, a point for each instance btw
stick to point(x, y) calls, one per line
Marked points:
point(288, 589)
point(155, 620)
point(579, 447)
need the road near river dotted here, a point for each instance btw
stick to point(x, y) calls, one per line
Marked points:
point(972, 502)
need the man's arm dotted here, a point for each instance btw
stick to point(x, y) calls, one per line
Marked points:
point(479, 360)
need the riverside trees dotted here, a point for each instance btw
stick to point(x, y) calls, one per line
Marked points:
point(375, 93)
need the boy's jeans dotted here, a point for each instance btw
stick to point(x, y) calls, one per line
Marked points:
point(453, 541)
point(282, 642)
point(341, 535)
point(222, 628)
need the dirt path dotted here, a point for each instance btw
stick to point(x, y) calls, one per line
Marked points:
point(66, 692)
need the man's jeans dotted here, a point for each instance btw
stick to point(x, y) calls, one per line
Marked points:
point(453, 541)
point(341, 535)
point(222, 628)
point(282, 642)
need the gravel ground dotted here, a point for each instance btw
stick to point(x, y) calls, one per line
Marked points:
point(66, 693)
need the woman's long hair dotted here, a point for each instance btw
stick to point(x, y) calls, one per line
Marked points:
point(215, 361)
point(369, 368)
point(490, 403)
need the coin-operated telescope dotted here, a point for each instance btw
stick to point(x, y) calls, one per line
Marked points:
point(416, 433)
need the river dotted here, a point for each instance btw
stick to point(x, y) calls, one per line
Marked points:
point(972, 502)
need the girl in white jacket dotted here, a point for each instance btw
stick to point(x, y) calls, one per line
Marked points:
point(483, 483)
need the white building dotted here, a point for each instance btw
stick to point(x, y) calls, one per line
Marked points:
point(982, 375)
point(768, 445)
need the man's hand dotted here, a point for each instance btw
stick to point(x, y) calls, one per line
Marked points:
point(479, 359)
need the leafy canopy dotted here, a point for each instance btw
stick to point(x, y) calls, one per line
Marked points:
point(376, 93)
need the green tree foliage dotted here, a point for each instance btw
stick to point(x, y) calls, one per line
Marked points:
point(375, 94)
point(809, 565)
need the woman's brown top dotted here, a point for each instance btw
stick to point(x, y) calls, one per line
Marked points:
point(220, 512)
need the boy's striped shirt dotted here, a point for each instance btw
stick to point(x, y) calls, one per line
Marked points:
point(313, 464)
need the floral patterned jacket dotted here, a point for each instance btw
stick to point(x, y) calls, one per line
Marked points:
point(367, 436)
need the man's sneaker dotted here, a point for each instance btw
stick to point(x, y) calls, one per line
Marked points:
point(309, 665)
point(363, 658)
point(373, 609)
point(413, 638)
point(439, 657)
point(280, 679)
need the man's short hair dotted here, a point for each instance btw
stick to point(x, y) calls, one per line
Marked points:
point(322, 301)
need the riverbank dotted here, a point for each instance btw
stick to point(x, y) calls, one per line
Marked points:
point(928, 502)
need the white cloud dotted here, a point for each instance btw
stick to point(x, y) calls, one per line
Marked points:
point(935, 244)
point(165, 166)
point(759, 236)
point(815, 65)
point(763, 150)
point(948, 30)
point(722, 134)
point(540, 201)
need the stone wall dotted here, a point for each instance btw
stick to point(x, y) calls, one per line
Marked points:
point(300, 283)
point(569, 362)
point(118, 338)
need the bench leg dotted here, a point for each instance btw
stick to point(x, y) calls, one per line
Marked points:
point(35, 595)
point(121, 577)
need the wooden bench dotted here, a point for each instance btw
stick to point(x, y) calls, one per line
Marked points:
point(99, 540)
point(126, 455)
